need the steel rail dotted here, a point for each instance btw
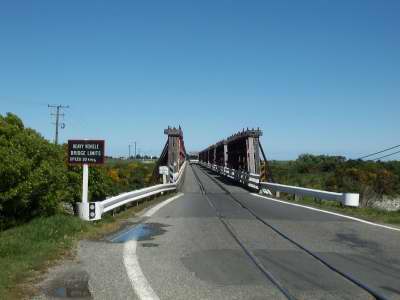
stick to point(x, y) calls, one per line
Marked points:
point(357, 282)
point(235, 236)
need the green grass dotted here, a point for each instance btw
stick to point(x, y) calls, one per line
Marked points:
point(26, 248)
point(366, 213)
point(30, 248)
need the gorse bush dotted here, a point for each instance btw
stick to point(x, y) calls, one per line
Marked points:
point(372, 180)
point(307, 163)
point(35, 178)
point(129, 176)
point(32, 174)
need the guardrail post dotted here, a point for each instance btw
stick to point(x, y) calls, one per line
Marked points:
point(351, 199)
point(347, 199)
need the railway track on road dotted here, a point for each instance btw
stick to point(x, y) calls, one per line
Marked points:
point(287, 293)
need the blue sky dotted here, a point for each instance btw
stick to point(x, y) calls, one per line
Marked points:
point(318, 76)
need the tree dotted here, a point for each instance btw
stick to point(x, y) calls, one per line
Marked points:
point(31, 172)
point(35, 179)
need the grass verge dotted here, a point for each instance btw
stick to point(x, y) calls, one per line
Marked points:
point(31, 248)
point(366, 213)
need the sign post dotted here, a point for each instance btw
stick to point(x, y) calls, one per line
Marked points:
point(85, 183)
point(163, 170)
point(85, 153)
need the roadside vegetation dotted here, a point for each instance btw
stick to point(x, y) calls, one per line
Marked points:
point(366, 213)
point(36, 181)
point(376, 182)
point(28, 250)
point(38, 193)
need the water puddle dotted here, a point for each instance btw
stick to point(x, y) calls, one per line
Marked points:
point(70, 285)
point(141, 232)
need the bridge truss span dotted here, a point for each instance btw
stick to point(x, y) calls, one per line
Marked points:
point(236, 157)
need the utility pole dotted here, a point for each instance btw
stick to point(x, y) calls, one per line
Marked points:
point(57, 115)
point(130, 145)
point(135, 149)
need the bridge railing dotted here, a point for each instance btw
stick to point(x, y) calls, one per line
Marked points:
point(248, 179)
point(94, 210)
point(117, 201)
point(348, 199)
point(253, 181)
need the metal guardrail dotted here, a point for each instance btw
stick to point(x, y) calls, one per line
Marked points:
point(114, 202)
point(100, 207)
point(253, 181)
point(348, 199)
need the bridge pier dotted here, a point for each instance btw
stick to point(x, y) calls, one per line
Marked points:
point(176, 153)
point(243, 151)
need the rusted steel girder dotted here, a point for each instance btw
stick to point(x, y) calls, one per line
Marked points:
point(239, 151)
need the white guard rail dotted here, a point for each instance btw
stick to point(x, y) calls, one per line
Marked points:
point(114, 202)
point(100, 207)
point(253, 181)
point(348, 199)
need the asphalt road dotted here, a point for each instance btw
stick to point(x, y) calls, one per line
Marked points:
point(222, 242)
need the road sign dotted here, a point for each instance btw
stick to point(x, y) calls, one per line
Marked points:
point(163, 170)
point(86, 152)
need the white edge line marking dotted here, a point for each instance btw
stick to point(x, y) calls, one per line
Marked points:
point(122, 234)
point(329, 212)
point(149, 213)
point(138, 281)
point(135, 274)
point(154, 209)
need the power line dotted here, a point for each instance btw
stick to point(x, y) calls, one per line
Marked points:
point(387, 155)
point(57, 115)
point(369, 155)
